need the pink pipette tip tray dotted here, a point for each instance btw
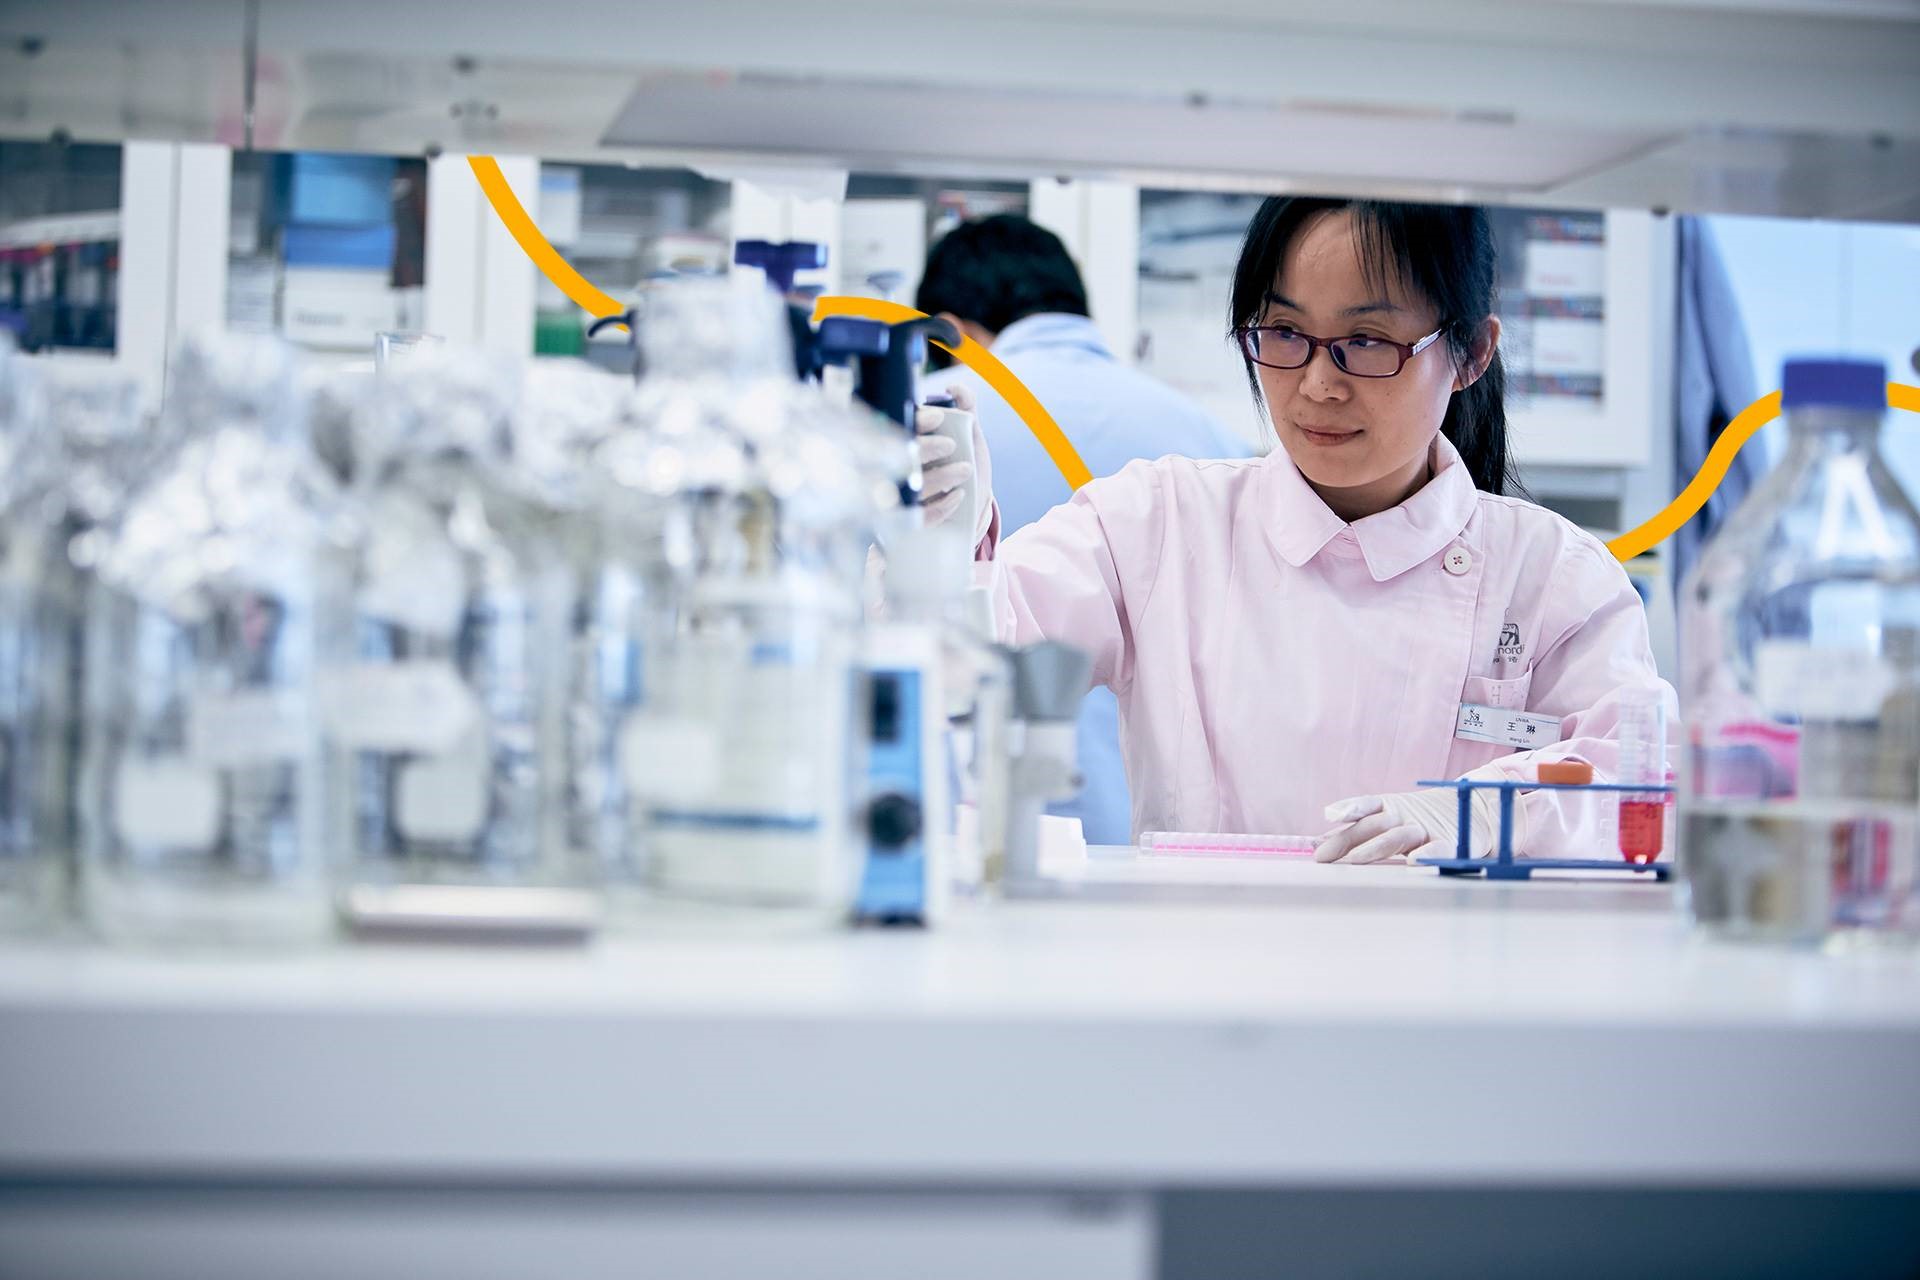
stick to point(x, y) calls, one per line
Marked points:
point(1201, 844)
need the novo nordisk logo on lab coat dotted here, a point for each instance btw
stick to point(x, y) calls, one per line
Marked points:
point(1510, 651)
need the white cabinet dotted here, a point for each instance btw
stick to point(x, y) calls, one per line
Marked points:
point(206, 245)
point(479, 282)
point(1100, 224)
point(1632, 344)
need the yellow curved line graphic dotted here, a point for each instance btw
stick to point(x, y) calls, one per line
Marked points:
point(554, 267)
point(988, 366)
point(598, 303)
point(1714, 470)
point(976, 357)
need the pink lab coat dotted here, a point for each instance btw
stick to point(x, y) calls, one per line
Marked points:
point(1269, 658)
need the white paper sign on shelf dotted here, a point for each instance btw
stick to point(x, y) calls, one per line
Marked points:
point(1569, 347)
point(1566, 270)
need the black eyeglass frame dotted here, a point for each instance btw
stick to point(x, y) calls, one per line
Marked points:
point(1247, 336)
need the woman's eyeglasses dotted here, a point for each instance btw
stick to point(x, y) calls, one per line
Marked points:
point(1279, 347)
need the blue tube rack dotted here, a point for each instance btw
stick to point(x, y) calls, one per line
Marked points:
point(1503, 865)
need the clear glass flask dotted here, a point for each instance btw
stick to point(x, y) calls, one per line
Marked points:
point(749, 501)
point(741, 756)
point(453, 724)
point(73, 442)
point(36, 607)
point(1800, 656)
point(220, 597)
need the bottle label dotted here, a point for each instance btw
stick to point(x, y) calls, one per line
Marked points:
point(443, 798)
point(169, 802)
point(1801, 681)
point(665, 758)
point(249, 727)
point(416, 706)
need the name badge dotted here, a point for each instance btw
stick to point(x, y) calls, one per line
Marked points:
point(1505, 728)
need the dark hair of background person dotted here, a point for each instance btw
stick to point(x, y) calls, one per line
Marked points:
point(999, 270)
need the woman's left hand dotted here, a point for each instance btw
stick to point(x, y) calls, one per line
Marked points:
point(1405, 824)
point(944, 483)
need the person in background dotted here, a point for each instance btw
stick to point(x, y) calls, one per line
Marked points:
point(1011, 286)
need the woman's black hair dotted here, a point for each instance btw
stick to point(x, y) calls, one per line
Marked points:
point(1442, 253)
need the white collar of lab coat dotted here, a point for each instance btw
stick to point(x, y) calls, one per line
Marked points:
point(1300, 525)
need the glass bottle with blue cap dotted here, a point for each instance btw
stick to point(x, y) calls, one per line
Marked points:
point(1800, 657)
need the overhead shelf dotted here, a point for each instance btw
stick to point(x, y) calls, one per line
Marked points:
point(1752, 106)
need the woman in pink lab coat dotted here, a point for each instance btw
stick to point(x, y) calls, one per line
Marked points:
point(1296, 640)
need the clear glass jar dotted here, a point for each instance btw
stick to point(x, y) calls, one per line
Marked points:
point(75, 438)
point(221, 595)
point(742, 503)
point(37, 607)
point(1800, 657)
point(454, 723)
point(740, 757)
point(36, 604)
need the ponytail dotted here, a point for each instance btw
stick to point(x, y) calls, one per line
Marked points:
point(1476, 423)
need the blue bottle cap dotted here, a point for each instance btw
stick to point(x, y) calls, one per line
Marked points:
point(780, 261)
point(1835, 384)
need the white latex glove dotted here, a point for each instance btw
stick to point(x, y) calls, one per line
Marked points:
point(943, 483)
point(1410, 824)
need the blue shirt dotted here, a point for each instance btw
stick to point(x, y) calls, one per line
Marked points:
point(1113, 414)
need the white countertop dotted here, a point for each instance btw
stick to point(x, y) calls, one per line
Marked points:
point(1344, 1024)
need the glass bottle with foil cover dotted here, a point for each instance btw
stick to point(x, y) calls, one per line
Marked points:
point(453, 721)
point(754, 497)
point(220, 598)
point(35, 604)
point(1800, 657)
point(66, 483)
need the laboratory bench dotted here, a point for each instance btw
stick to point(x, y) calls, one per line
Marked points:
point(1189, 1068)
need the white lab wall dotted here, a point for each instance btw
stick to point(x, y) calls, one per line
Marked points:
point(1099, 222)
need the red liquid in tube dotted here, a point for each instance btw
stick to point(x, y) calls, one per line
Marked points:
point(1642, 829)
point(1643, 762)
